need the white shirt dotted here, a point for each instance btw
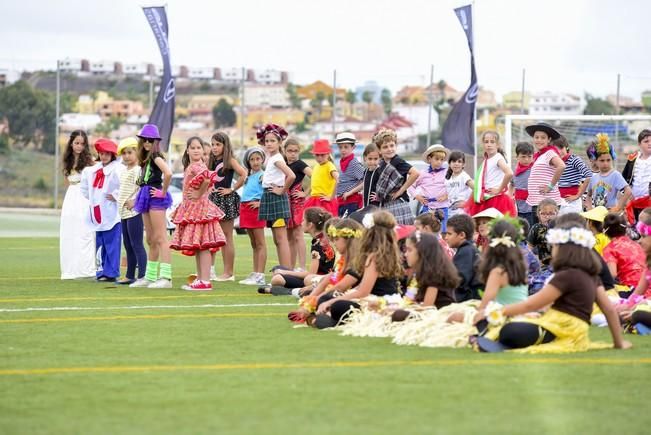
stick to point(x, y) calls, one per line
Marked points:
point(457, 187)
point(103, 213)
point(273, 176)
point(641, 177)
point(494, 174)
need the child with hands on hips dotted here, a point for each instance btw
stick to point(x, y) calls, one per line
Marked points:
point(152, 201)
point(254, 158)
point(430, 188)
point(100, 185)
point(276, 180)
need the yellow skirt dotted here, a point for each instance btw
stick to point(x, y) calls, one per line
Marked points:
point(571, 334)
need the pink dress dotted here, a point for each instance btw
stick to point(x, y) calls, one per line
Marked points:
point(197, 220)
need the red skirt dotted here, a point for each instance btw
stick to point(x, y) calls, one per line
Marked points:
point(503, 202)
point(317, 201)
point(249, 217)
point(296, 205)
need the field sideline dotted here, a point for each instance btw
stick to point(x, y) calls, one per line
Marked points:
point(84, 357)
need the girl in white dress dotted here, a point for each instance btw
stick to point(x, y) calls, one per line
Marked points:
point(76, 238)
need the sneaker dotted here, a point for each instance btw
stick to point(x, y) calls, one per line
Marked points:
point(259, 279)
point(249, 280)
point(299, 269)
point(198, 286)
point(141, 282)
point(222, 278)
point(161, 283)
point(213, 275)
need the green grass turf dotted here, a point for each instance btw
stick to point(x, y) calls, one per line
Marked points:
point(246, 370)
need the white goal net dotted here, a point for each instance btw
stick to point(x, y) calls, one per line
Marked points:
point(579, 131)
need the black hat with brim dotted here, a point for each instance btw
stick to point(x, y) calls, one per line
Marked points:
point(543, 126)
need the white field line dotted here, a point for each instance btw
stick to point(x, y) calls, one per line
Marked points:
point(140, 307)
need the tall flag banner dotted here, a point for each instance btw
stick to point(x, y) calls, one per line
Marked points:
point(459, 128)
point(162, 114)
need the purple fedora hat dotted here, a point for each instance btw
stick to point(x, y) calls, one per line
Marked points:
point(149, 131)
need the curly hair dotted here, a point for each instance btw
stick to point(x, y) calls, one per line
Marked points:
point(509, 258)
point(223, 139)
point(462, 223)
point(434, 268)
point(84, 159)
point(317, 216)
point(380, 241)
point(383, 136)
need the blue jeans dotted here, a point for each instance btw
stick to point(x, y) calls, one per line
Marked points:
point(132, 234)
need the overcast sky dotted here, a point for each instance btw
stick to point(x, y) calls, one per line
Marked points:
point(564, 45)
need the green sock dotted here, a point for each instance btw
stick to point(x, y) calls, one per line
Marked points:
point(166, 271)
point(151, 274)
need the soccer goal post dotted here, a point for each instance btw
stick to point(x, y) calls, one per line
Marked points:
point(579, 130)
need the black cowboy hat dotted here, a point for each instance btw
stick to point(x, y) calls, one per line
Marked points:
point(543, 126)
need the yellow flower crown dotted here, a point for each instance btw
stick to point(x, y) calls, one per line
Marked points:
point(346, 233)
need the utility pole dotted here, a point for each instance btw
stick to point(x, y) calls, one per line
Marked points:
point(430, 103)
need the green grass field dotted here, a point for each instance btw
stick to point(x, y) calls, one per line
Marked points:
point(83, 357)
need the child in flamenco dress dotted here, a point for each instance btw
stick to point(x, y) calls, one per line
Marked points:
point(197, 219)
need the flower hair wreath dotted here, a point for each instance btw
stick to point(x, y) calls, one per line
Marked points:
point(346, 233)
point(504, 240)
point(576, 235)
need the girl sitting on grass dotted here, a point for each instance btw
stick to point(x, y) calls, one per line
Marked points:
point(377, 267)
point(435, 277)
point(571, 292)
point(345, 235)
point(431, 223)
point(321, 252)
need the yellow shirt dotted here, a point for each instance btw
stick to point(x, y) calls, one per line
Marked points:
point(601, 241)
point(322, 180)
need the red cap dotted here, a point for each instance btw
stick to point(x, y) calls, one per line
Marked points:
point(321, 146)
point(103, 145)
point(403, 231)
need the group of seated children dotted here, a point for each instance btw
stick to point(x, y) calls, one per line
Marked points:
point(403, 281)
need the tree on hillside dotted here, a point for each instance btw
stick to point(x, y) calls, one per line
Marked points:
point(30, 113)
point(294, 99)
point(367, 97)
point(351, 97)
point(387, 101)
point(317, 102)
point(223, 114)
point(597, 106)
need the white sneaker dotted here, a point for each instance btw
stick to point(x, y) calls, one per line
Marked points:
point(248, 280)
point(213, 275)
point(299, 269)
point(141, 282)
point(254, 279)
point(259, 279)
point(161, 283)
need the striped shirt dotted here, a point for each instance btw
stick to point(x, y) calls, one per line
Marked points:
point(128, 187)
point(520, 182)
point(541, 175)
point(575, 172)
point(350, 178)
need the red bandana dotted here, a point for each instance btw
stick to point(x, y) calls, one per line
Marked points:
point(519, 169)
point(544, 150)
point(345, 161)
